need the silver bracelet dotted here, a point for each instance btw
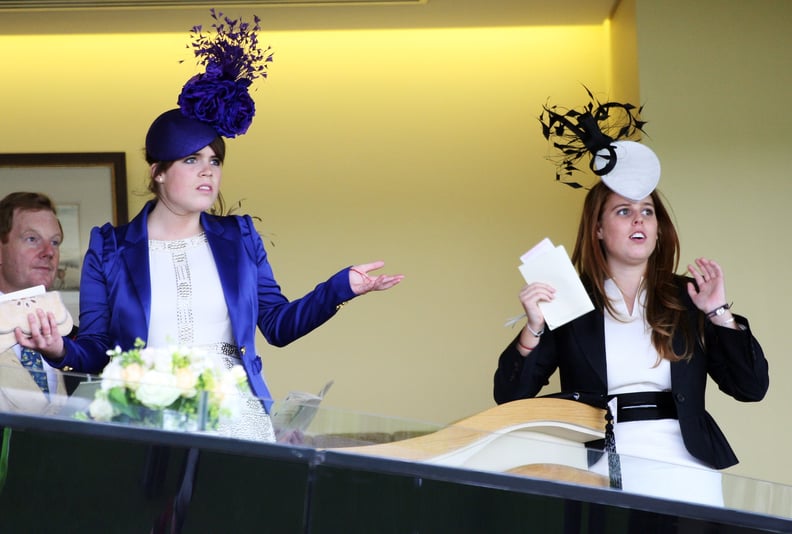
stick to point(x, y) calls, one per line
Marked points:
point(720, 310)
point(535, 334)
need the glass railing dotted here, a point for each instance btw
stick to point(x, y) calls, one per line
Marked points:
point(536, 447)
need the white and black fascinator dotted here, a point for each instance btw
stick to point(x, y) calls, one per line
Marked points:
point(607, 133)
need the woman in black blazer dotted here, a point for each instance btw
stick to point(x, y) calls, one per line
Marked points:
point(651, 342)
point(668, 333)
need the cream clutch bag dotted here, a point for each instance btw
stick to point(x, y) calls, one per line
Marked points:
point(14, 313)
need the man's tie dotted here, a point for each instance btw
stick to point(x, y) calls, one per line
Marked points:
point(31, 360)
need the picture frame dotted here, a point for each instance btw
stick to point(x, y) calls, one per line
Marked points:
point(88, 188)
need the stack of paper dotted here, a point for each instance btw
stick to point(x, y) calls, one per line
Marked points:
point(551, 265)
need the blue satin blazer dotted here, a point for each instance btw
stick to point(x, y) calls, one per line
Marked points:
point(115, 294)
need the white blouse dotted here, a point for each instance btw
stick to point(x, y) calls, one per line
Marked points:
point(632, 359)
point(187, 302)
point(188, 308)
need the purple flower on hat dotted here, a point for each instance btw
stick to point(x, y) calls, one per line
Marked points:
point(224, 104)
point(233, 60)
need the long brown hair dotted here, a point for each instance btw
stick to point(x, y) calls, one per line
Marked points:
point(665, 311)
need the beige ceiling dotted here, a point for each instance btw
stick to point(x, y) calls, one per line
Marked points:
point(415, 14)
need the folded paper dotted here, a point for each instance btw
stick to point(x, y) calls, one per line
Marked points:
point(551, 265)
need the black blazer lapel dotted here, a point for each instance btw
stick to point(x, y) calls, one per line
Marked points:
point(589, 334)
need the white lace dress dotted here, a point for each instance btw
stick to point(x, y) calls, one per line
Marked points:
point(654, 459)
point(188, 308)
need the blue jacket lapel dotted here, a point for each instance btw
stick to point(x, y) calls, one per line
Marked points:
point(135, 255)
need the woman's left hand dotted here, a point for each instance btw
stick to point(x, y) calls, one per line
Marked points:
point(709, 292)
point(361, 283)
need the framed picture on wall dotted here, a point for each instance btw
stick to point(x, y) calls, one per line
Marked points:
point(88, 188)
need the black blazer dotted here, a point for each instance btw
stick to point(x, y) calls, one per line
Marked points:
point(733, 358)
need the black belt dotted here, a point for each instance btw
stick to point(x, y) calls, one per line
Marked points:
point(644, 406)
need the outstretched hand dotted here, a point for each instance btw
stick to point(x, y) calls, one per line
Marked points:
point(709, 292)
point(361, 282)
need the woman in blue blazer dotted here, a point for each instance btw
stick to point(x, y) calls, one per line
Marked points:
point(116, 285)
point(177, 273)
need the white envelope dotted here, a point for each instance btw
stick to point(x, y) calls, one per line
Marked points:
point(551, 265)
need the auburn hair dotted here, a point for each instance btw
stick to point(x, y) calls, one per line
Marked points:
point(665, 311)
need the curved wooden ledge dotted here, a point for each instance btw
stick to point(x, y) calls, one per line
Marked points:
point(563, 473)
point(560, 418)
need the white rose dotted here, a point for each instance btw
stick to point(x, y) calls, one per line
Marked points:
point(157, 390)
point(163, 361)
point(112, 375)
point(148, 355)
point(101, 409)
point(196, 364)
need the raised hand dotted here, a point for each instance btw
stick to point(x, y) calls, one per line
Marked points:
point(530, 297)
point(709, 291)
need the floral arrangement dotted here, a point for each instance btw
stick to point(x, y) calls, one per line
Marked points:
point(152, 386)
point(232, 60)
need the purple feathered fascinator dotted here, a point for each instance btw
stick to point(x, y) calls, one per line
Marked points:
point(217, 101)
point(233, 60)
point(602, 131)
